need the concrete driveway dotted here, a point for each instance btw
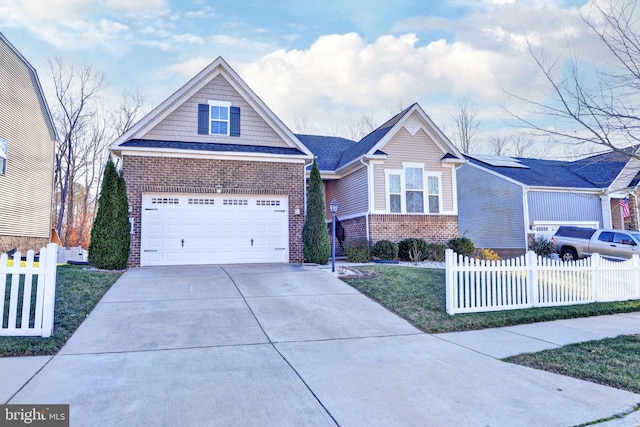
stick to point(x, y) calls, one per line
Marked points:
point(285, 345)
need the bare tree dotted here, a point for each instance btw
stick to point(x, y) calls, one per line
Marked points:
point(76, 90)
point(499, 145)
point(467, 124)
point(356, 129)
point(593, 107)
point(302, 126)
point(131, 108)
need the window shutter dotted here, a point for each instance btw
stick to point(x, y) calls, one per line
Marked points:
point(203, 119)
point(234, 118)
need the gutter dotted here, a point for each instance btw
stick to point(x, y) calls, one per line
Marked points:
point(369, 187)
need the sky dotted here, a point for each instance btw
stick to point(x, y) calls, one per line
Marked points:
point(319, 65)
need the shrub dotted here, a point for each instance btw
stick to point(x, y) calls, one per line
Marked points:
point(413, 245)
point(385, 249)
point(462, 245)
point(488, 255)
point(541, 246)
point(315, 237)
point(357, 250)
point(436, 252)
point(110, 234)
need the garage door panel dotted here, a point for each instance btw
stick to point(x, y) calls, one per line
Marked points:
point(211, 229)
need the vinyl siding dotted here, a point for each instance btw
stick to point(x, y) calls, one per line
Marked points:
point(350, 192)
point(490, 210)
point(182, 124)
point(563, 206)
point(415, 149)
point(26, 188)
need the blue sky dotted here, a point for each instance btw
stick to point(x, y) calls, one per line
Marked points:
point(321, 63)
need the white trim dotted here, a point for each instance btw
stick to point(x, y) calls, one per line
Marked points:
point(346, 217)
point(413, 165)
point(387, 174)
point(222, 104)
point(525, 215)
point(426, 175)
point(454, 187)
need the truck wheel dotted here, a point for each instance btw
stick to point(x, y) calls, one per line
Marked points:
point(568, 255)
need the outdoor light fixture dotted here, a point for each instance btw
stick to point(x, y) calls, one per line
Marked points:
point(333, 207)
point(218, 188)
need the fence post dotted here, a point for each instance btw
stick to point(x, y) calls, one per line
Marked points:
point(635, 262)
point(449, 283)
point(594, 259)
point(49, 298)
point(531, 261)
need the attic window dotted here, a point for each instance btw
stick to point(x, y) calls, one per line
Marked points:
point(4, 150)
point(218, 118)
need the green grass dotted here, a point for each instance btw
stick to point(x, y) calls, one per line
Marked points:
point(418, 295)
point(613, 362)
point(77, 293)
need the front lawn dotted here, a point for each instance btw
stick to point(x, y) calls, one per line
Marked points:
point(77, 293)
point(613, 362)
point(418, 295)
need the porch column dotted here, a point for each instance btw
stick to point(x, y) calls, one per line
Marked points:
point(605, 201)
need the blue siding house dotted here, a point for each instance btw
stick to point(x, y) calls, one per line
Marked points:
point(505, 202)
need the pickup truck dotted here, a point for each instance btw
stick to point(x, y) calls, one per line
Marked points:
point(577, 242)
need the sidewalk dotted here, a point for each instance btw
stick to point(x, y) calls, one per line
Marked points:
point(291, 345)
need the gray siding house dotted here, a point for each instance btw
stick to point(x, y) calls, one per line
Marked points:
point(505, 202)
point(27, 146)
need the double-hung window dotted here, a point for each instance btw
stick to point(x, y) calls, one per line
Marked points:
point(413, 190)
point(219, 118)
point(4, 151)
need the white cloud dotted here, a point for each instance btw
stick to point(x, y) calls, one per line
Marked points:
point(137, 5)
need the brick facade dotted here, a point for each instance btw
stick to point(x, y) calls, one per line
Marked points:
point(182, 175)
point(432, 228)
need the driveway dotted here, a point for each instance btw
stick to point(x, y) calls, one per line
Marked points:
point(285, 345)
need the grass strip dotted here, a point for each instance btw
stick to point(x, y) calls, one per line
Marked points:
point(77, 293)
point(613, 362)
point(418, 295)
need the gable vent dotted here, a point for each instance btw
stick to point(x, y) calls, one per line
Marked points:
point(412, 124)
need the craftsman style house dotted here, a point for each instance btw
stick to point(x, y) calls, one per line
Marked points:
point(213, 176)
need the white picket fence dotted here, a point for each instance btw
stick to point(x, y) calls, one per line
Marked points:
point(474, 285)
point(27, 294)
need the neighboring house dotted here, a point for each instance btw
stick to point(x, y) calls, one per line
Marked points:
point(504, 202)
point(213, 176)
point(27, 153)
point(397, 182)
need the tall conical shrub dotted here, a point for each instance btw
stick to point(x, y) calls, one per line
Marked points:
point(315, 237)
point(109, 248)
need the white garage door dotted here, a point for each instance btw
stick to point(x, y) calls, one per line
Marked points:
point(179, 229)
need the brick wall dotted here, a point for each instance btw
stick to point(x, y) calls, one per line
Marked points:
point(432, 228)
point(180, 175)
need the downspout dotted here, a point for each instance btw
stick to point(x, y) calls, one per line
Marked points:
point(369, 197)
point(525, 206)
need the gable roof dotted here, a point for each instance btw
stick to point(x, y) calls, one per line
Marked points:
point(204, 77)
point(36, 83)
point(334, 153)
point(594, 172)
